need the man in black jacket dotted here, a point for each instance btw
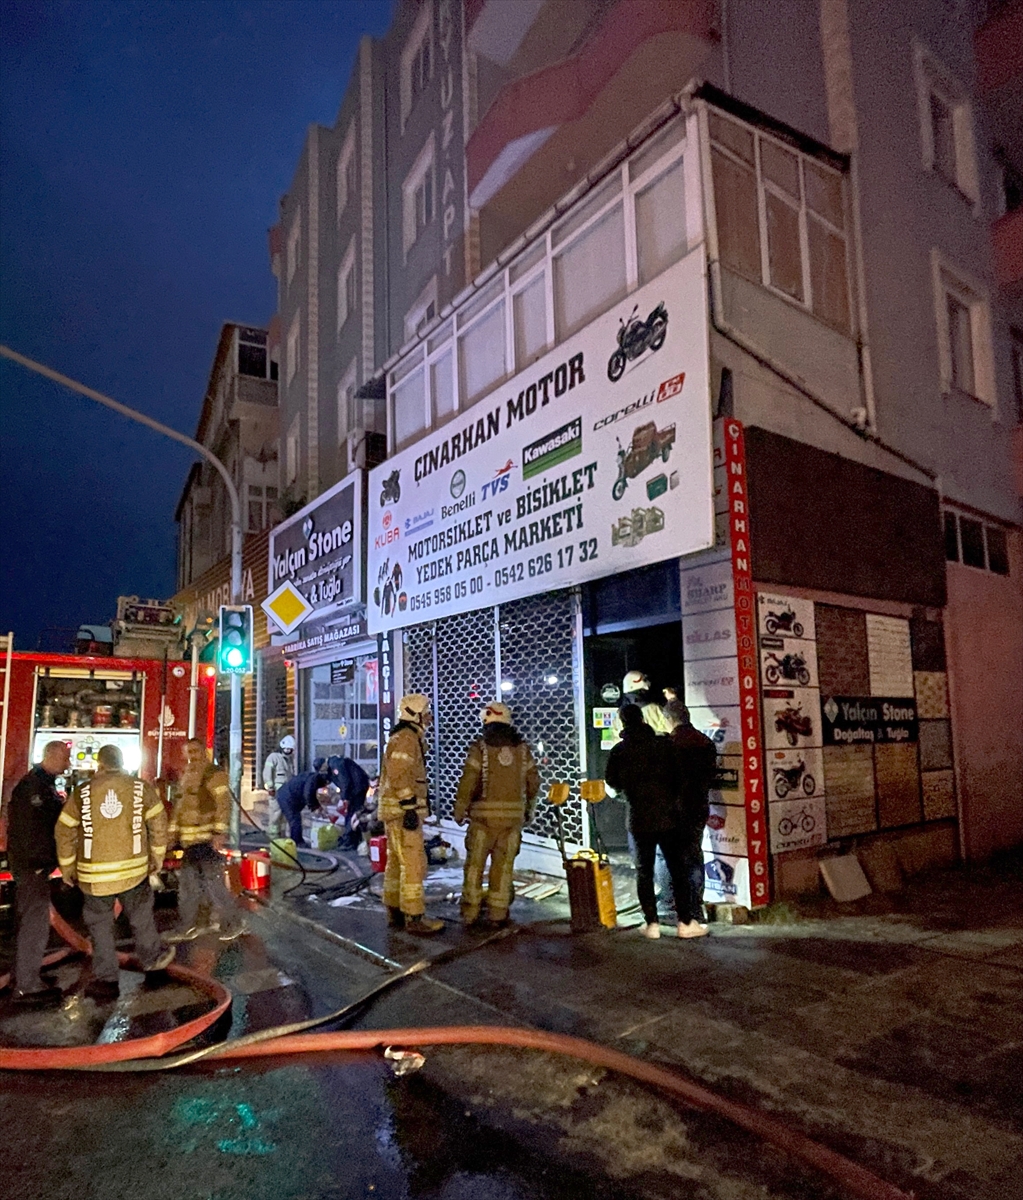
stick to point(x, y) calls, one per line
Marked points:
point(645, 766)
point(698, 763)
point(31, 815)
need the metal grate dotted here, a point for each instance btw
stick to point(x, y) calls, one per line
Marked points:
point(455, 660)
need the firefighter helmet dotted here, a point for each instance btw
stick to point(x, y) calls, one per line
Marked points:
point(635, 681)
point(287, 743)
point(414, 708)
point(496, 712)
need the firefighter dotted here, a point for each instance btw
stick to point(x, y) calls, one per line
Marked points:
point(277, 770)
point(111, 839)
point(403, 808)
point(497, 795)
point(636, 690)
point(31, 815)
point(199, 822)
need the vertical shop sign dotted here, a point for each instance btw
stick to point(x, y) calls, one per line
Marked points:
point(752, 773)
point(450, 195)
point(385, 657)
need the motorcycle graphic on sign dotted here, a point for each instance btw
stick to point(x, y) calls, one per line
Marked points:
point(648, 444)
point(635, 337)
point(789, 666)
point(788, 779)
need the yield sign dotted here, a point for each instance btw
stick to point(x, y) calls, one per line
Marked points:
point(287, 606)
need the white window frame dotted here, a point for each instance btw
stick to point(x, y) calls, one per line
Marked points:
point(419, 315)
point(292, 349)
point(346, 273)
point(949, 279)
point(933, 78)
point(345, 160)
point(424, 166)
point(346, 390)
point(422, 31)
point(294, 238)
point(291, 454)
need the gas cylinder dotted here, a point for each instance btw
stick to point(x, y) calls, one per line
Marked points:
point(256, 871)
point(378, 853)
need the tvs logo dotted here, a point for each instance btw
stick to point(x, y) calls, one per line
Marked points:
point(500, 481)
point(636, 337)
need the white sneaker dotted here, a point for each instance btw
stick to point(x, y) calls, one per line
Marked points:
point(652, 931)
point(691, 929)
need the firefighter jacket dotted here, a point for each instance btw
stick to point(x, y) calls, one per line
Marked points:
point(202, 808)
point(499, 780)
point(403, 774)
point(277, 770)
point(111, 834)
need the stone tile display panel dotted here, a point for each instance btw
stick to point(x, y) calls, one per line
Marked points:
point(841, 651)
point(849, 784)
point(931, 688)
point(897, 771)
point(935, 745)
point(939, 795)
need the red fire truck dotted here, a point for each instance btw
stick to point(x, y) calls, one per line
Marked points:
point(140, 705)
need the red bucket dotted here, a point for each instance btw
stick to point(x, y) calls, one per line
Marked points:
point(378, 853)
point(255, 871)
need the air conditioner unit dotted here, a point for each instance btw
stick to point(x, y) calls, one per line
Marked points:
point(366, 449)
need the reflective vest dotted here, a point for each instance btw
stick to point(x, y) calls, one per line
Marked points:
point(203, 806)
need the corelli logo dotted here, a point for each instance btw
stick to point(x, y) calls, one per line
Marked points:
point(548, 451)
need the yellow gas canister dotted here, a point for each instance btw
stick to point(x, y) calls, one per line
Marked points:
point(284, 852)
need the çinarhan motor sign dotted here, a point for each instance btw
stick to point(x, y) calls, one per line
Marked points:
point(319, 551)
point(573, 470)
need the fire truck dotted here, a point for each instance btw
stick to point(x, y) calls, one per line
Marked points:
point(140, 705)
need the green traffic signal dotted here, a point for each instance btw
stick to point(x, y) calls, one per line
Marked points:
point(234, 654)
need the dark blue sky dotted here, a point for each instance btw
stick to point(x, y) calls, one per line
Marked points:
point(143, 150)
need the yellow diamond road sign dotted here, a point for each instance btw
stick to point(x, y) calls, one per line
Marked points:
point(287, 606)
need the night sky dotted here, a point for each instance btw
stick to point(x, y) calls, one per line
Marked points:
point(143, 151)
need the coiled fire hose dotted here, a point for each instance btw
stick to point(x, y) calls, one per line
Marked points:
point(144, 1054)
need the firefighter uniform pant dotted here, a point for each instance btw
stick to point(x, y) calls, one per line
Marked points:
point(499, 843)
point(33, 908)
point(202, 878)
point(405, 870)
point(275, 820)
point(99, 919)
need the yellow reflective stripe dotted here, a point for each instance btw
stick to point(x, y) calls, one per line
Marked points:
point(66, 862)
point(67, 819)
point(112, 868)
point(157, 808)
point(157, 851)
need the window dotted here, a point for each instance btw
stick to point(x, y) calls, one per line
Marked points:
point(291, 453)
point(589, 260)
point(347, 300)
point(252, 356)
point(976, 543)
point(293, 246)
point(292, 351)
point(422, 311)
point(417, 62)
point(660, 234)
point(347, 417)
point(529, 315)
point(780, 218)
point(408, 398)
point(946, 125)
point(346, 183)
point(260, 502)
point(964, 337)
point(418, 196)
point(481, 355)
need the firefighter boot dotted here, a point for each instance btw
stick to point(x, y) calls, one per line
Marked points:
point(423, 926)
point(395, 918)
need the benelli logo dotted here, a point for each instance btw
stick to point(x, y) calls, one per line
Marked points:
point(555, 448)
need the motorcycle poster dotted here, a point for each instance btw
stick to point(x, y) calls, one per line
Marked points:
point(787, 662)
point(594, 460)
point(797, 824)
point(785, 617)
point(792, 773)
point(792, 718)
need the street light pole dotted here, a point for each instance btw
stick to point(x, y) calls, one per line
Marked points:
point(235, 743)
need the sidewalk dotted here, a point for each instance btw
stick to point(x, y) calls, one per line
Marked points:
point(888, 1029)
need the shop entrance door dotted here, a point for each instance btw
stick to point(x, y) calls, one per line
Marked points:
point(656, 650)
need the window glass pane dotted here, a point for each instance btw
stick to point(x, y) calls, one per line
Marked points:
point(658, 147)
point(522, 266)
point(824, 192)
point(252, 360)
point(407, 367)
point(736, 137)
point(943, 132)
point(828, 279)
point(438, 337)
point(589, 275)
point(442, 387)
point(481, 358)
point(529, 311)
point(610, 188)
point(971, 534)
point(997, 550)
point(735, 199)
point(661, 223)
point(951, 538)
point(255, 517)
point(271, 493)
point(780, 166)
point(479, 302)
point(783, 247)
point(409, 408)
point(960, 344)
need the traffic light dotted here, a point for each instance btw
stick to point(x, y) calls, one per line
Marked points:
point(234, 653)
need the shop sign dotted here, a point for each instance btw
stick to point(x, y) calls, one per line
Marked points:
point(342, 671)
point(725, 831)
point(797, 824)
point(853, 720)
point(318, 553)
point(385, 710)
point(726, 879)
point(325, 635)
point(583, 466)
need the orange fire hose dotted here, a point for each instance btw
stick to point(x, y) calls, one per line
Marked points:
point(857, 1180)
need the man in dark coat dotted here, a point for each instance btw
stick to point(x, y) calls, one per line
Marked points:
point(698, 762)
point(353, 783)
point(32, 849)
point(298, 793)
point(645, 766)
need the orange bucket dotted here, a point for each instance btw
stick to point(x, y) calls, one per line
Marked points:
point(255, 871)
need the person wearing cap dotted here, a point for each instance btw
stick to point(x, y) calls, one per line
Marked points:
point(403, 807)
point(698, 763)
point(636, 690)
point(497, 796)
point(277, 770)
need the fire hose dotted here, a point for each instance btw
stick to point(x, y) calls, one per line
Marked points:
point(144, 1054)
